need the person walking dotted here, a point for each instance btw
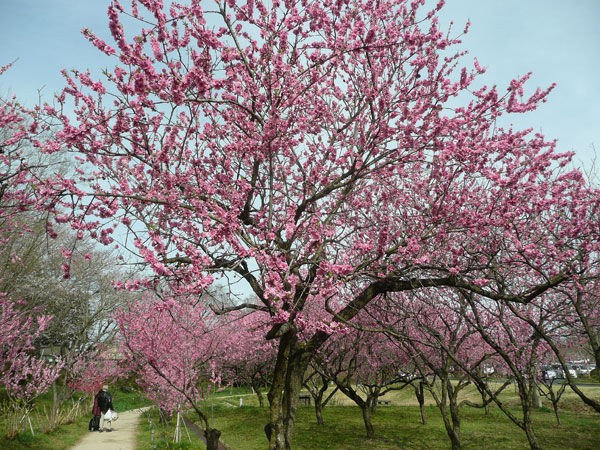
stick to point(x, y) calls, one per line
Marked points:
point(96, 413)
point(104, 401)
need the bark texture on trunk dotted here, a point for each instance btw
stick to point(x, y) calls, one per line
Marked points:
point(290, 366)
point(212, 438)
point(420, 393)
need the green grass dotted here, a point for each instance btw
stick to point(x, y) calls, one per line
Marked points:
point(58, 439)
point(69, 432)
point(396, 427)
point(400, 428)
point(155, 434)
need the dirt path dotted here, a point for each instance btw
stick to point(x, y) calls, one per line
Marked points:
point(123, 436)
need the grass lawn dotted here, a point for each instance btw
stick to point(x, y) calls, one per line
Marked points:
point(154, 434)
point(400, 428)
point(59, 439)
point(396, 426)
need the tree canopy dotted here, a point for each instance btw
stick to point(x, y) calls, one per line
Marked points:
point(321, 154)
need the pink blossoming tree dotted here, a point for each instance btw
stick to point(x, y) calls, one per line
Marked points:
point(364, 366)
point(168, 345)
point(323, 153)
point(507, 329)
point(23, 373)
point(90, 370)
point(14, 167)
point(16, 196)
point(446, 351)
point(243, 356)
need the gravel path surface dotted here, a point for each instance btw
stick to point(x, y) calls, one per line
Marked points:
point(123, 436)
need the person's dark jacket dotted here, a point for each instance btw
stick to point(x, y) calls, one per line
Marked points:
point(104, 401)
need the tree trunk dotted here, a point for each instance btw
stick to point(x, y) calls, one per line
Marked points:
point(212, 436)
point(450, 410)
point(484, 398)
point(318, 395)
point(55, 406)
point(526, 393)
point(556, 414)
point(455, 438)
point(319, 413)
point(420, 393)
point(275, 428)
point(452, 430)
point(372, 401)
point(531, 437)
point(290, 367)
point(261, 399)
point(366, 413)
point(596, 356)
point(259, 395)
point(295, 376)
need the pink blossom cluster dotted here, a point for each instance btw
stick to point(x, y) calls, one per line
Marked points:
point(24, 373)
point(167, 344)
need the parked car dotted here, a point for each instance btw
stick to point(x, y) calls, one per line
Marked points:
point(590, 368)
point(406, 376)
point(581, 370)
point(555, 371)
point(583, 367)
point(488, 370)
point(552, 372)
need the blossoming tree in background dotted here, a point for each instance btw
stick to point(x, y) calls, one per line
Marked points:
point(24, 374)
point(243, 356)
point(95, 368)
point(364, 366)
point(430, 327)
point(14, 168)
point(169, 347)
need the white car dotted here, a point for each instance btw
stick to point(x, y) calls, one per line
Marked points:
point(552, 372)
point(488, 370)
point(555, 371)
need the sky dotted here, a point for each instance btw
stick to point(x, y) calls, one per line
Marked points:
point(557, 40)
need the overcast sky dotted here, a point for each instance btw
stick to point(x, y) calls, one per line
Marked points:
point(558, 40)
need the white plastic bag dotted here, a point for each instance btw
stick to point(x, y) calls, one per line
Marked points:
point(111, 415)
